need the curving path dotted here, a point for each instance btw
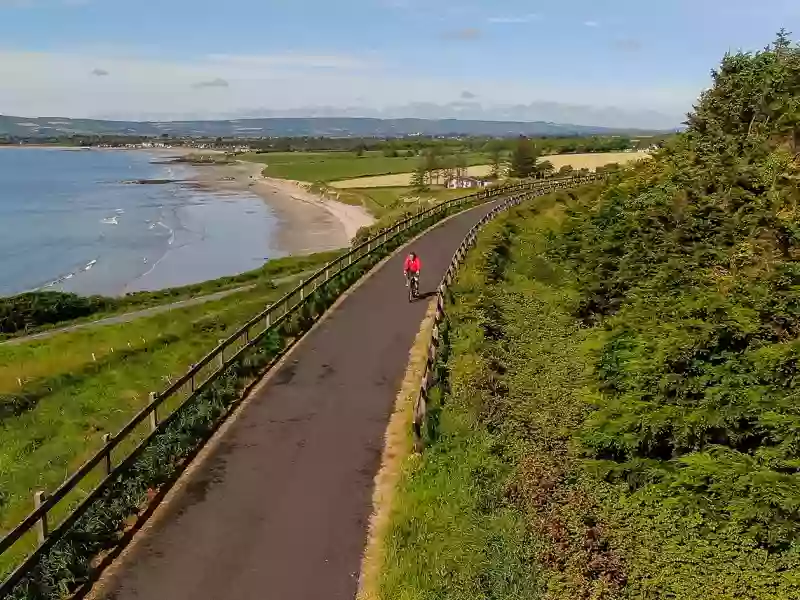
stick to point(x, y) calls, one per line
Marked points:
point(280, 509)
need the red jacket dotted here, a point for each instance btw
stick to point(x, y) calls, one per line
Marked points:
point(412, 264)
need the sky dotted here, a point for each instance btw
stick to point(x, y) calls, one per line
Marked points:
point(594, 62)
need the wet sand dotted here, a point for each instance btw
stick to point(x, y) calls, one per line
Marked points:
point(307, 222)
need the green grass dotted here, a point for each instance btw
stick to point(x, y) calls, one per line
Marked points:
point(464, 524)
point(333, 166)
point(388, 201)
point(77, 398)
point(388, 205)
point(274, 269)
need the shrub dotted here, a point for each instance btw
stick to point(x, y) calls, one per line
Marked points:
point(34, 309)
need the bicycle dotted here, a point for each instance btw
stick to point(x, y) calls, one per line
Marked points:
point(413, 287)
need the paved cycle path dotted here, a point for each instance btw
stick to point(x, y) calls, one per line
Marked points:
point(280, 509)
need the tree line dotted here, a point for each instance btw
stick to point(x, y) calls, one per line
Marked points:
point(395, 147)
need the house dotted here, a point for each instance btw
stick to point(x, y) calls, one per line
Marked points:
point(458, 183)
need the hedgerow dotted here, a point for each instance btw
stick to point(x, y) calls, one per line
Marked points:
point(688, 267)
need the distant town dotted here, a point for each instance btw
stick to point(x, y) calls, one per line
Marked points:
point(236, 148)
point(408, 146)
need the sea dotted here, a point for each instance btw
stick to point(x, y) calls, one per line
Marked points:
point(71, 220)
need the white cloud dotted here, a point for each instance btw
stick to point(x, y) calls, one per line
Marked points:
point(591, 23)
point(148, 87)
point(217, 82)
point(514, 20)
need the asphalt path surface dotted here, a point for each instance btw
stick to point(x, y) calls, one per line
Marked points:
point(280, 508)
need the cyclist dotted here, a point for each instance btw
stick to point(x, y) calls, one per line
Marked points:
point(411, 267)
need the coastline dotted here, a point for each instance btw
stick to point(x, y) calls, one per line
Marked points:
point(228, 219)
point(307, 223)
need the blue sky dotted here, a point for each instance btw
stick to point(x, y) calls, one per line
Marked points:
point(580, 60)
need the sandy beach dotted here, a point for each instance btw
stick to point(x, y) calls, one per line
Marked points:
point(138, 220)
point(308, 223)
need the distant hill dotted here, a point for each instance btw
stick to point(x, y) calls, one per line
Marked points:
point(291, 127)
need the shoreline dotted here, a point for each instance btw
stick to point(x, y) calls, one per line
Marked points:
point(298, 223)
point(307, 223)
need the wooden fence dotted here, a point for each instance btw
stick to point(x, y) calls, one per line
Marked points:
point(73, 501)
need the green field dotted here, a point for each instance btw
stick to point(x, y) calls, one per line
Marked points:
point(383, 202)
point(389, 205)
point(79, 385)
point(333, 166)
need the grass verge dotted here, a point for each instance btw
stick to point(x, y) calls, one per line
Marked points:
point(453, 532)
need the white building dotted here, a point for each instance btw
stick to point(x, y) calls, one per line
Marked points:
point(460, 183)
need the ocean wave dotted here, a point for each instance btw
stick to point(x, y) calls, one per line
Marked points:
point(171, 232)
point(150, 270)
point(110, 221)
point(63, 278)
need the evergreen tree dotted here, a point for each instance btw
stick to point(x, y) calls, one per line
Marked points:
point(523, 159)
point(497, 162)
point(418, 179)
point(432, 165)
point(545, 169)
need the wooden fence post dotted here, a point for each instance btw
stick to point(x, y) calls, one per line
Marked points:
point(154, 413)
point(221, 354)
point(41, 524)
point(106, 439)
point(420, 408)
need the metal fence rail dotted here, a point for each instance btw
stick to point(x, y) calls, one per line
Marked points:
point(164, 405)
point(421, 403)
